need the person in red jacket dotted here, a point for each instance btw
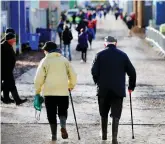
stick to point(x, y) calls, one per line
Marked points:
point(133, 16)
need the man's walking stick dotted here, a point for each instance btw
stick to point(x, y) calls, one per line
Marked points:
point(74, 114)
point(131, 115)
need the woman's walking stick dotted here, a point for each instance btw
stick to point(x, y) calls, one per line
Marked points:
point(74, 114)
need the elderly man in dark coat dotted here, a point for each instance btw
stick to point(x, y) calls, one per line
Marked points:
point(8, 30)
point(8, 61)
point(109, 69)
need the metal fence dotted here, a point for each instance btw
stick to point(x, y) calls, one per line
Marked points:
point(156, 37)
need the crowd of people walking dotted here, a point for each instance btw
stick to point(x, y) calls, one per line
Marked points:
point(86, 28)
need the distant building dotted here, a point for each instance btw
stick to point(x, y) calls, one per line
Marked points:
point(64, 5)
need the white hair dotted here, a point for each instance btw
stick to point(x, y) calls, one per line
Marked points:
point(107, 43)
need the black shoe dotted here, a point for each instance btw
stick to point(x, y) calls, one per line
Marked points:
point(16, 97)
point(19, 102)
point(104, 124)
point(7, 100)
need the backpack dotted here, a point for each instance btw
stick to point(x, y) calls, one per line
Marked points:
point(70, 36)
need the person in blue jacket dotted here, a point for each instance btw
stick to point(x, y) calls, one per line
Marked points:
point(60, 29)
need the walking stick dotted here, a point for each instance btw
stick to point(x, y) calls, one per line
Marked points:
point(131, 115)
point(74, 114)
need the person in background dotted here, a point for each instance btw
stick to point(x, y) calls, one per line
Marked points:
point(94, 14)
point(89, 14)
point(67, 37)
point(117, 13)
point(60, 30)
point(8, 60)
point(133, 17)
point(125, 17)
point(91, 30)
point(91, 25)
point(55, 77)
point(63, 16)
point(83, 42)
point(80, 26)
point(74, 18)
point(100, 14)
point(130, 24)
point(82, 15)
point(105, 13)
point(108, 8)
point(90, 37)
point(95, 25)
point(70, 22)
point(8, 30)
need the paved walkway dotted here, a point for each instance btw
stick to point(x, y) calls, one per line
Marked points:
point(148, 98)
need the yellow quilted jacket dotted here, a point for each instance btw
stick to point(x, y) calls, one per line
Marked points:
point(54, 76)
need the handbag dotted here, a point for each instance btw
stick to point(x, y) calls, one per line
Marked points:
point(78, 47)
point(38, 100)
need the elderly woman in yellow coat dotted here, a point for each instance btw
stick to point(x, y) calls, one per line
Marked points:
point(54, 77)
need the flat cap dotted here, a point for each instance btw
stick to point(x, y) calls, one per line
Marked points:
point(110, 39)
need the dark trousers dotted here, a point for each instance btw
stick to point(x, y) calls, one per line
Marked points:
point(54, 105)
point(116, 16)
point(8, 85)
point(9, 82)
point(94, 29)
point(109, 100)
point(2, 85)
point(60, 37)
point(90, 40)
point(84, 54)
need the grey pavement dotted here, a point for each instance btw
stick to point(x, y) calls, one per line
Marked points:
point(20, 127)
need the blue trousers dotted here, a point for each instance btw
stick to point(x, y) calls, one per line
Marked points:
point(69, 51)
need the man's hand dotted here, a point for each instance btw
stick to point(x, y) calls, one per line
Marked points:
point(130, 91)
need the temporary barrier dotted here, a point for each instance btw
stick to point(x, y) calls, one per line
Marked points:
point(156, 37)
